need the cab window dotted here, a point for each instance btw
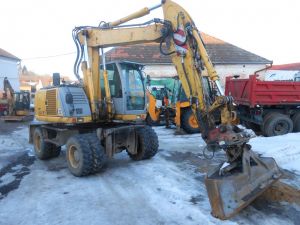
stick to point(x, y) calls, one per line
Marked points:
point(113, 79)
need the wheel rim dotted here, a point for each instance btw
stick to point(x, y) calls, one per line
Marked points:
point(73, 156)
point(37, 143)
point(281, 128)
point(193, 122)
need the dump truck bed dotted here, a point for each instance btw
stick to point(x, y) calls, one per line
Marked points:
point(252, 91)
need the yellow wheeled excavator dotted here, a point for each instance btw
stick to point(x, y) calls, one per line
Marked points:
point(95, 119)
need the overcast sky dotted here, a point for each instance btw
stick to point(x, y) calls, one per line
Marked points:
point(40, 28)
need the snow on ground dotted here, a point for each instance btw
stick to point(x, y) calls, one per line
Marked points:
point(13, 143)
point(284, 149)
point(167, 189)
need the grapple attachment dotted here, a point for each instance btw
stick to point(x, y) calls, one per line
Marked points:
point(231, 188)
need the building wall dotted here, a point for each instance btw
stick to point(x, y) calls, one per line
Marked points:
point(9, 68)
point(223, 70)
point(243, 70)
point(287, 75)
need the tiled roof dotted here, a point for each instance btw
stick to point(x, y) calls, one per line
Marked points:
point(219, 51)
point(291, 66)
point(6, 54)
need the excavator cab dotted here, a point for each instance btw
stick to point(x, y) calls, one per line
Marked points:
point(127, 89)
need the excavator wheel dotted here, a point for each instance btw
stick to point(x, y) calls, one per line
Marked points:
point(188, 122)
point(98, 152)
point(79, 156)
point(147, 144)
point(44, 150)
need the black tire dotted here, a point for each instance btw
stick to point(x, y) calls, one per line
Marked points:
point(42, 149)
point(147, 144)
point(265, 121)
point(188, 123)
point(277, 124)
point(99, 156)
point(296, 122)
point(151, 122)
point(79, 156)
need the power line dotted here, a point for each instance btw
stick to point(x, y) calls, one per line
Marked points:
point(50, 56)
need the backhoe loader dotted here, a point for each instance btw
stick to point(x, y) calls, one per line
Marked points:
point(95, 125)
point(175, 107)
point(18, 103)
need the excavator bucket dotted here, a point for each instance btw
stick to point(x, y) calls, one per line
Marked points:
point(230, 193)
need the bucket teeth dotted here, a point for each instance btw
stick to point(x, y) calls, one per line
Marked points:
point(229, 193)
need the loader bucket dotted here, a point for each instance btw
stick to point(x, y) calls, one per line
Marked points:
point(229, 194)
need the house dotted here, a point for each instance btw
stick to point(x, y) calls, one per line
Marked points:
point(288, 72)
point(9, 67)
point(30, 81)
point(227, 58)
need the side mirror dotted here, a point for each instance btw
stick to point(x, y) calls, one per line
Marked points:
point(148, 80)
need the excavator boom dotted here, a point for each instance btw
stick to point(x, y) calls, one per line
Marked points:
point(231, 187)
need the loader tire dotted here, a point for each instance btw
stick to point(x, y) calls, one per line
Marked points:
point(296, 122)
point(277, 124)
point(147, 144)
point(188, 122)
point(42, 149)
point(151, 122)
point(79, 156)
point(98, 152)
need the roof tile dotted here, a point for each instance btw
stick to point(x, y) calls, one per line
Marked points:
point(219, 51)
point(6, 54)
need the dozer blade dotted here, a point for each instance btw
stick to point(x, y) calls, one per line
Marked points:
point(230, 193)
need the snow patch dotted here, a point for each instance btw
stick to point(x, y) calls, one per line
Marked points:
point(285, 149)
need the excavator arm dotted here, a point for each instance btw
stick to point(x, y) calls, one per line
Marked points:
point(9, 93)
point(8, 89)
point(230, 187)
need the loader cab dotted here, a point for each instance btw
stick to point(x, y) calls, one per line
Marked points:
point(127, 88)
point(210, 92)
point(22, 100)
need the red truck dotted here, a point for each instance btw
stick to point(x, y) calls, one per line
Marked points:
point(272, 107)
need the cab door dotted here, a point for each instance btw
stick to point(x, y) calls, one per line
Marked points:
point(115, 86)
point(134, 93)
